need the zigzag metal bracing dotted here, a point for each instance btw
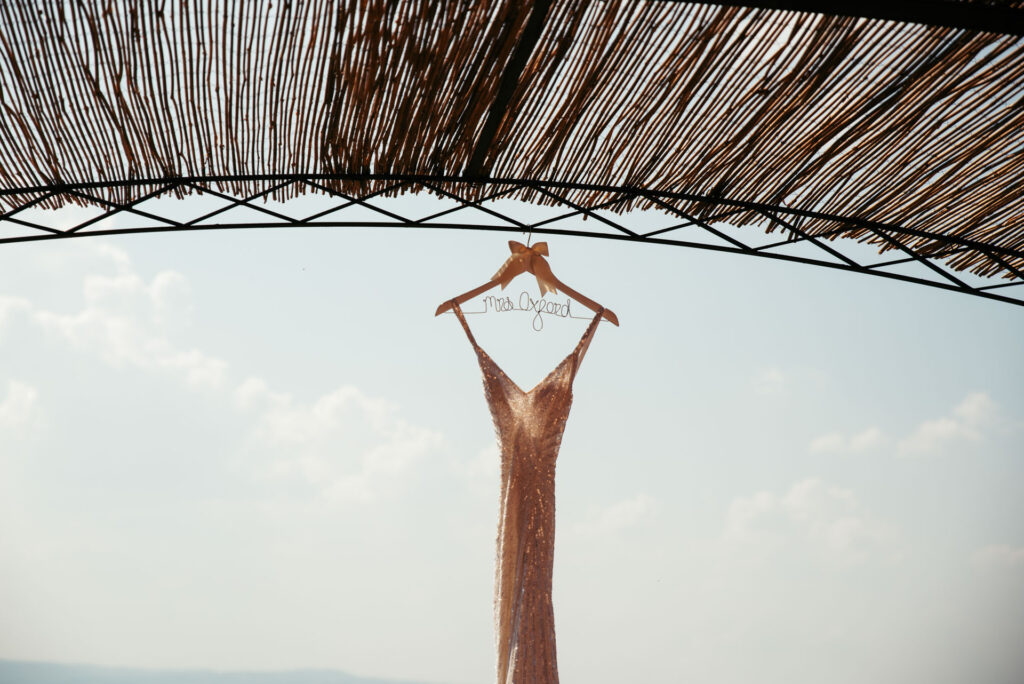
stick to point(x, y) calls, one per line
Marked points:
point(712, 232)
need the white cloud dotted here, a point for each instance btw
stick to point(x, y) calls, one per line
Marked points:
point(18, 408)
point(618, 516)
point(770, 381)
point(972, 421)
point(345, 445)
point(9, 306)
point(254, 393)
point(125, 321)
point(836, 442)
point(1000, 556)
point(968, 422)
point(172, 298)
point(118, 257)
point(481, 473)
point(811, 511)
point(977, 409)
point(745, 513)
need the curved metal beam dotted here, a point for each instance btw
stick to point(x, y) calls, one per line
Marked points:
point(969, 16)
point(688, 232)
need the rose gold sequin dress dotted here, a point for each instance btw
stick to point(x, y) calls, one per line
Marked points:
point(529, 427)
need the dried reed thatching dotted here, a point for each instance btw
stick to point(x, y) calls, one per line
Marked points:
point(918, 126)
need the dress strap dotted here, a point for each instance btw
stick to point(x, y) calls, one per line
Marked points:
point(581, 348)
point(465, 326)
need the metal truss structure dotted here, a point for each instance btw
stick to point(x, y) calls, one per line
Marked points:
point(493, 211)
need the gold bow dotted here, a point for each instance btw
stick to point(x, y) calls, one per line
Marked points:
point(525, 259)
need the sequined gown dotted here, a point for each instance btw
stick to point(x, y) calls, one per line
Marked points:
point(529, 427)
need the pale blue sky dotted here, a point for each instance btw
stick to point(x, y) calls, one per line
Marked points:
point(259, 449)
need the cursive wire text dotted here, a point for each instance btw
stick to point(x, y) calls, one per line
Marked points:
point(525, 302)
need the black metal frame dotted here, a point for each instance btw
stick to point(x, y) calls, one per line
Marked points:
point(834, 253)
point(969, 16)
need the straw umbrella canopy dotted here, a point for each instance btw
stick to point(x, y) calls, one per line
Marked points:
point(803, 123)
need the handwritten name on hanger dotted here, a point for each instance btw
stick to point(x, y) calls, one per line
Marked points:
point(526, 302)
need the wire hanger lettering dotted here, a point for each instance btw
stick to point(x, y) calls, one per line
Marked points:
point(528, 260)
point(527, 302)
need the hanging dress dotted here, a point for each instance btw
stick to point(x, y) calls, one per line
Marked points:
point(529, 426)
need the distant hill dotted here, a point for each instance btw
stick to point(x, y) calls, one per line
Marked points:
point(20, 672)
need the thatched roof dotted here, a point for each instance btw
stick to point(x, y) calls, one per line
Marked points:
point(915, 125)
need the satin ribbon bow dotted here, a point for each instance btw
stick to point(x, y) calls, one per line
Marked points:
point(525, 259)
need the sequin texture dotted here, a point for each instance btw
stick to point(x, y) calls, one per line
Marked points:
point(529, 427)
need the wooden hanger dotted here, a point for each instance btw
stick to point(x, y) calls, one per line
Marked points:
point(528, 260)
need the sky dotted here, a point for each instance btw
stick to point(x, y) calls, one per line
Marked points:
point(260, 450)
